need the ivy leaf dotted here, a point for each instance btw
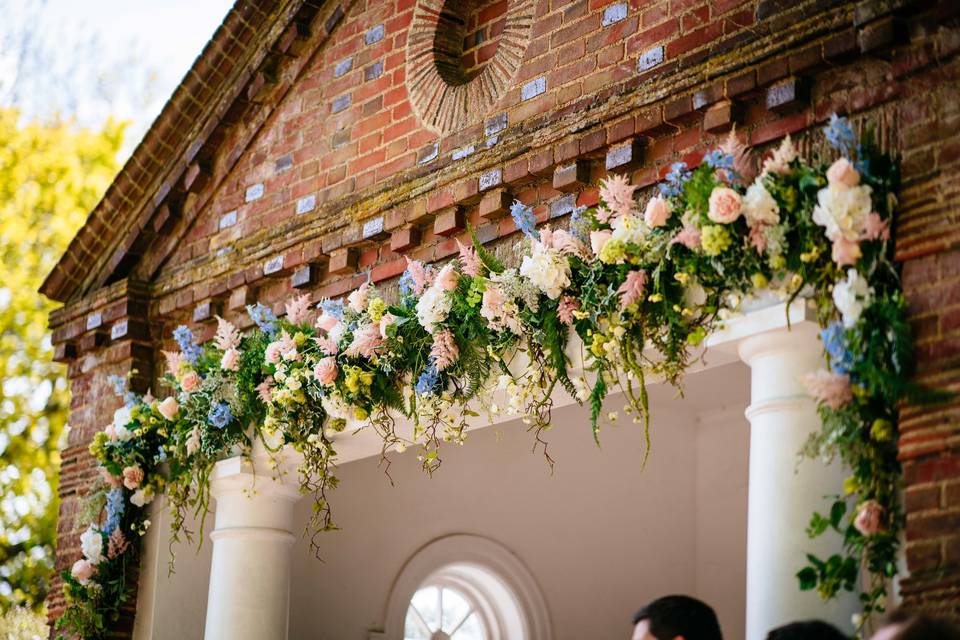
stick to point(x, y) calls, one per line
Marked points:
point(808, 578)
point(837, 511)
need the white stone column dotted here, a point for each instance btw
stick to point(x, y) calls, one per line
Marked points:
point(782, 493)
point(249, 596)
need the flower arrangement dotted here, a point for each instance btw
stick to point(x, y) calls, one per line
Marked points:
point(629, 280)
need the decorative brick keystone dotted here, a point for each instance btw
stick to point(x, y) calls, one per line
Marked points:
point(343, 261)
point(196, 178)
point(304, 276)
point(373, 229)
point(205, 310)
point(94, 320)
point(254, 192)
point(787, 95)
point(449, 221)
point(720, 117)
point(626, 156)
point(572, 177)
point(240, 298)
point(563, 206)
point(884, 33)
point(64, 352)
point(495, 204)
point(490, 179)
point(92, 340)
point(273, 265)
point(404, 239)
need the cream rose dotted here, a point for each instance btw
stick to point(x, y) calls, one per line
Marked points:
point(447, 278)
point(725, 205)
point(326, 371)
point(132, 477)
point(657, 213)
point(169, 408)
point(82, 571)
point(842, 174)
point(190, 381)
point(598, 239)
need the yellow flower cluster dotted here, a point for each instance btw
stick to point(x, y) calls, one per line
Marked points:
point(715, 239)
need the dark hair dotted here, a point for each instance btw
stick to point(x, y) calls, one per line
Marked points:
point(807, 630)
point(672, 616)
point(920, 626)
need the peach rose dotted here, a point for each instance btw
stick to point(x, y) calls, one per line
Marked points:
point(869, 518)
point(725, 205)
point(327, 321)
point(82, 571)
point(230, 360)
point(447, 278)
point(842, 175)
point(190, 381)
point(326, 371)
point(657, 213)
point(598, 239)
point(169, 408)
point(132, 477)
point(845, 252)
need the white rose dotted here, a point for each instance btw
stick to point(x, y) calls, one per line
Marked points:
point(121, 417)
point(91, 544)
point(122, 434)
point(142, 497)
point(851, 297)
point(547, 270)
point(433, 307)
point(842, 211)
point(759, 207)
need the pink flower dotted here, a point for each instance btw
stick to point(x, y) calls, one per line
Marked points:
point(227, 336)
point(419, 275)
point(725, 205)
point(447, 278)
point(444, 350)
point(869, 518)
point(842, 174)
point(358, 299)
point(298, 309)
point(689, 237)
point(265, 388)
point(117, 544)
point(875, 227)
point(230, 360)
point(598, 239)
point(190, 381)
point(566, 308)
point(326, 345)
point(82, 571)
point(326, 371)
point(831, 389)
point(366, 341)
point(327, 322)
point(758, 239)
point(287, 347)
point(174, 362)
point(743, 162)
point(132, 477)
point(631, 290)
point(617, 192)
point(657, 213)
point(109, 478)
point(845, 252)
point(493, 300)
point(779, 162)
point(469, 261)
point(169, 408)
point(385, 321)
point(272, 353)
point(568, 244)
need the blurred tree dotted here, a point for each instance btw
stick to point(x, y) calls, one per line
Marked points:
point(51, 176)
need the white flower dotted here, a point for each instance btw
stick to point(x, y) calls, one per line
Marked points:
point(759, 207)
point(433, 307)
point(193, 441)
point(121, 433)
point(335, 407)
point(781, 159)
point(121, 417)
point(546, 269)
point(629, 229)
point(842, 211)
point(336, 334)
point(91, 544)
point(851, 297)
point(142, 497)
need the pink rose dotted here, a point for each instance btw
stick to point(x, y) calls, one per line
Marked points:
point(385, 321)
point(869, 518)
point(230, 360)
point(82, 571)
point(190, 381)
point(725, 205)
point(447, 278)
point(657, 213)
point(272, 352)
point(689, 237)
point(132, 477)
point(598, 239)
point(326, 371)
point(169, 408)
point(842, 175)
point(845, 252)
point(327, 321)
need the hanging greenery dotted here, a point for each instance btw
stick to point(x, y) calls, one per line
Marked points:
point(641, 289)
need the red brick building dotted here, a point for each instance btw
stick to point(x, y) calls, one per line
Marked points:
point(314, 145)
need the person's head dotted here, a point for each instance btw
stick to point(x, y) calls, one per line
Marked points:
point(807, 630)
point(903, 625)
point(676, 617)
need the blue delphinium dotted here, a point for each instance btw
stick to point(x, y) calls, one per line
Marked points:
point(524, 219)
point(428, 380)
point(406, 284)
point(834, 339)
point(264, 317)
point(717, 159)
point(840, 136)
point(674, 180)
point(188, 344)
point(580, 225)
point(220, 415)
point(115, 507)
point(332, 308)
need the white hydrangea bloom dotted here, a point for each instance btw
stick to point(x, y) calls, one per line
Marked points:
point(842, 211)
point(759, 207)
point(91, 544)
point(852, 296)
point(546, 269)
point(433, 308)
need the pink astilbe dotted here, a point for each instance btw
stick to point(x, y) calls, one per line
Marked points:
point(418, 275)
point(743, 161)
point(779, 162)
point(366, 341)
point(631, 290)
point(617, 192)
point(469, 261)
point(326, 345)
point(875, 227)
point(265, 389)
point(175, 362)
point(298, 309)
point(444, 350)
point(566, 308)
point(689, 237)
point(227, 336)
point(831, 389)
point(758, 239)
point(117, 544)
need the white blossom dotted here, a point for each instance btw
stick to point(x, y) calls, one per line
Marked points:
point(142, 497)
point(433, 307)
point(759, 207)
point(91, 544)
point(851, 297)
point(546, 269)
point(842, 211)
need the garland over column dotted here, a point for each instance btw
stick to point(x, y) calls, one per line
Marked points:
point(640, 286)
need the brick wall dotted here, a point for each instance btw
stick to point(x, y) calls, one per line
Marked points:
point(321, 172)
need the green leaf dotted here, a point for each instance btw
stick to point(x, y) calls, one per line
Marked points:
point(808, 578)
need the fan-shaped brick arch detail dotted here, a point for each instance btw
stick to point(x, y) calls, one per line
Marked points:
point(446, 95)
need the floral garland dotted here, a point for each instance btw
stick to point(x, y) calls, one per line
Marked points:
point(622, 280)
